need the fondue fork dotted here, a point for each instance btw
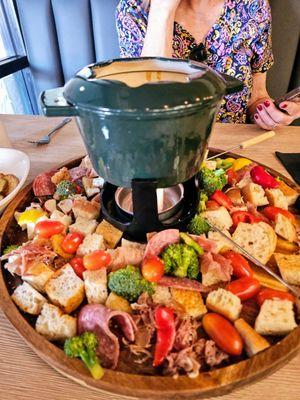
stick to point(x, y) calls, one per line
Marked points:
point(247, 143)
point(254, 260)
point(46, 139)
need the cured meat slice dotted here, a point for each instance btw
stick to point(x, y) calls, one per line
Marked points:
point(78, 172)
point(206, 244)
point(183, 283)
point(97, 318)
point(160, 241)
point(218, 265)
point(126, 255)
point(43, 186)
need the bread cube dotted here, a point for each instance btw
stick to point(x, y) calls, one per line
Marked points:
point(222, 244)
point(259, 239)
point(37, 275)
point(84, 226)
point(61, 217)
point(65, 289)
point(277, 198)
point(224, 302)
point(86, 209)
point(111, 235)
point(55, 325)
point(162, 295)
point(290, 194)
point(285, 228)
point(95, 283)
point(219, 218)
point(91, 242)
point(28, 299)
point(276, 317)
point(255, 194)
point(189, 301)
point(289, 267)
point(254, 343)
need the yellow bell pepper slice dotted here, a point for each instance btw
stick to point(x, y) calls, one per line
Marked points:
point(239, 163)
point(229, 160)
point(30, 216)
point(56, 241)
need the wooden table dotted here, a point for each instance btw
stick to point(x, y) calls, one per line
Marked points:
point(22, 374)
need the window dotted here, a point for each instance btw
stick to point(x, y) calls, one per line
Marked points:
point(16, 84)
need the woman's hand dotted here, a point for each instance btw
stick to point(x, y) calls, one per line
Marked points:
point(269, 117)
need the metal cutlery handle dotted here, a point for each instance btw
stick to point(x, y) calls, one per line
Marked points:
point(59, 126)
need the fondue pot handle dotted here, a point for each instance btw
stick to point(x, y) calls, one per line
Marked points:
point(54, 104)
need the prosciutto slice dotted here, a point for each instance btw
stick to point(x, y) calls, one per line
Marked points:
point(98, 318)
point(206, 244)
point(160, 241)
point(215, 262)
point(78, 172)
point(183, 283)
point(126, 255)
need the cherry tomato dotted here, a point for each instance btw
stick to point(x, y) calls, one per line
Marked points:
point(239, 264)
point(96, 260)
point(77, 265)
point(212, 205)
point(223, 333)
point(231, 176)
point(271, 213)
point(242, 216)
point(46, 229)
point(222, 199)
point(153, 269)
point(270, 294)
point(71, 242)
point(244, 288)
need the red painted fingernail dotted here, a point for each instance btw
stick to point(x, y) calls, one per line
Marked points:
point(283, 106)
point(259, 107)
point(256, 116)
point(267, 103)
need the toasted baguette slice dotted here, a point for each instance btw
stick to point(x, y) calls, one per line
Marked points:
point(118, 303)
point(190, 301)
point(84, 226)
point(65, 289)
point(37, 275)
point(110, 234)
point(224, 302)
point(285, 228)
point(222, 244)
point(277, 198)
point(91, 242)
point(290, 193)
point(276, 317)
point(255, 194)
point(28, 299)
point(254, 343)
point(267, 280)
point(259, 239)
point(289, 267)
point(220, 218)
point(95, 283)
point(286, 247)
point(55, 325)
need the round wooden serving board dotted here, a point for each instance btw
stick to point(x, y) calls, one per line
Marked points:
point(207, 384)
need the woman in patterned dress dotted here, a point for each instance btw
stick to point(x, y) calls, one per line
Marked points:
point(235, 37)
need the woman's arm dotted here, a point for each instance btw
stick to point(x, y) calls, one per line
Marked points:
point(262, 109)
point(159, 37)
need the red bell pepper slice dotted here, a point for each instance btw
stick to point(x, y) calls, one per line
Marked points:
point(165, 325)
point(239, 264)
point(222, 199)
point(272, 294)
point(242, 216)
point(271, 212)
point(260, 176)
point(231, 176)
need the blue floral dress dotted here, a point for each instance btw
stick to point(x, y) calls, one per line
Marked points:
point(238, 44)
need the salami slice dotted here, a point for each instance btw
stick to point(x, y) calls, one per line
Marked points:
point(183, 283)
point(97, 318)
point(160, 241)
point(43, 186)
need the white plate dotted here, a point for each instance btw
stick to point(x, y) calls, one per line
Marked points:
point(17, 163)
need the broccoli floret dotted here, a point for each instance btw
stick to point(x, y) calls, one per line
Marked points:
point(10, 248)
point(203, 199)
point(181, 260)
point(84, 347)
point(212, 180)
point(198, 225)
point(129, 283)
point(65, 189)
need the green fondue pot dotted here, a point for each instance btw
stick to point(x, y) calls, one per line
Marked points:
point(143, 118)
